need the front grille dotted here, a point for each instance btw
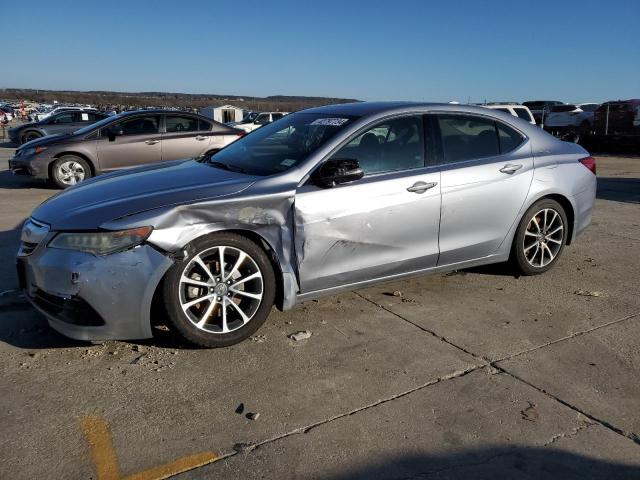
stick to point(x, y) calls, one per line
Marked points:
point(73, 310)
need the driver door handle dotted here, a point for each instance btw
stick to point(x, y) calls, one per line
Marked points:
point(511, 168)
point(421, 187)
point(201, 137)
point(151, 142)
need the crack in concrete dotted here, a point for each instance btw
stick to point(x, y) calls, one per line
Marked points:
point(484, 363)
point(571, 433)
point(308, 428)
point(494, 364)
point(566, 337)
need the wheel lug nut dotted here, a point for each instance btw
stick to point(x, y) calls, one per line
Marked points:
point(219, 299)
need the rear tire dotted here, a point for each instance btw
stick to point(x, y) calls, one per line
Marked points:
point(540, 237)
point(236, 288)
point(69, 170)
point(28, 136)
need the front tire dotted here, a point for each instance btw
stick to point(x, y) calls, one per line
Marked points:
point(540, 237)
point(221, 292)
point(69, 170)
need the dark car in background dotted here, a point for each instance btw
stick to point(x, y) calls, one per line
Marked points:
point(59, 123)
point(621, 117)
point(121, 141)
point(540, 108)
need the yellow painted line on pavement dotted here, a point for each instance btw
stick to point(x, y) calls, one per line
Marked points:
point(97, 432)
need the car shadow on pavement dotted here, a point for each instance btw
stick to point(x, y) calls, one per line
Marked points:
point(10, 181)
point(619, 189)
point(497, 463)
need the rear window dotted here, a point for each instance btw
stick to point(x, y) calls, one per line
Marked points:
point(592, 107)
point(509, 138)
point(465, 137)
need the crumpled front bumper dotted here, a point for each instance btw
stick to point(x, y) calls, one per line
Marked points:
point(89, 297)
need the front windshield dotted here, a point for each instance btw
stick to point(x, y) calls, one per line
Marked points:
point(93, 126)
point(280, 145)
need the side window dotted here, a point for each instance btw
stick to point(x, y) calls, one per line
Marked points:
point(93, 117)
point(276, 116)
point(67, 117)
point(522, 113)
point(466, 137)
point(138, 126)
point(203, 125)
point(262, 119)
point(509, 138)
point(177, 124)
point(396, 144)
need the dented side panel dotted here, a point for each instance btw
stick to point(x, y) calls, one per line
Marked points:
point(368, 229)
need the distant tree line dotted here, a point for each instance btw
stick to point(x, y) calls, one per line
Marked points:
point(159, 99)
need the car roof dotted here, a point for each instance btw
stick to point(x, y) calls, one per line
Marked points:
point(157, 111)
point(368, 108)
point(500, 105)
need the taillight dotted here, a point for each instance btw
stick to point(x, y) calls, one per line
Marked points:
point(590, 163)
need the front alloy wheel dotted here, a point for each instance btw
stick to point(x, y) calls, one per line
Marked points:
point(222, 292)
point(540, 238)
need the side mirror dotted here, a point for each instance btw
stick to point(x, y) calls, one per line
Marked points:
point(337, 171)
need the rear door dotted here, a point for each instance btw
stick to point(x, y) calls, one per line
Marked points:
point(139, 144)
point(486, 172)
point(185, 136)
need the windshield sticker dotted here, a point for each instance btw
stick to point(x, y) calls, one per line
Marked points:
point(331, 122)
point(85, 117)
point(287, 162)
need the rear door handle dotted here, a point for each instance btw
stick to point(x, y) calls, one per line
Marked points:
point(421, 187)
point(510, 168)
point(151, 142)
point(201, 137)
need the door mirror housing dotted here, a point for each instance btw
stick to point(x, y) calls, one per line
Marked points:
point(337, 171)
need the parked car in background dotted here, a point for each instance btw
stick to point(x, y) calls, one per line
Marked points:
point(7, 112)
point(514, 109)
point(540, 109)
point(570, 119)
point(58, 123)
point(257, 119)
point(620, 117)
point(324, 200)
point(121, 141)
point(42, 115)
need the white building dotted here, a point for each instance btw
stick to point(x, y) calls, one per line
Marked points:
point(223, 113)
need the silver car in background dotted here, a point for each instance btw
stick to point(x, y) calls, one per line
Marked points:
point(324, 200)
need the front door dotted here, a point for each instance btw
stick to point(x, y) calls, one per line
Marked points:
point(138, 143)
point(379, 226)
point(486, 174)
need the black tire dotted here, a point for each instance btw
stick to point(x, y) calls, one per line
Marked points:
point(56, 174)
point(541, 246)
point(175, 291)
point(28, 136)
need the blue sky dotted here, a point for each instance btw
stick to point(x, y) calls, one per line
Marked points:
point(371, 50)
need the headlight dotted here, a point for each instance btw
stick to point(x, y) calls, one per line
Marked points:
point(33, 150)
point(101, 243)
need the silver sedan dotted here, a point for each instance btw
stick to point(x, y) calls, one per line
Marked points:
point(324, 200)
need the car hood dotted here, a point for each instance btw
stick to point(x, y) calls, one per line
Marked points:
point(108, 197)
point(47, 140)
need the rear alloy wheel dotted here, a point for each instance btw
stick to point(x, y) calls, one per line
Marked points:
point(69, 170)
point(222, 292)
point(540, 238)
point(27, 137)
